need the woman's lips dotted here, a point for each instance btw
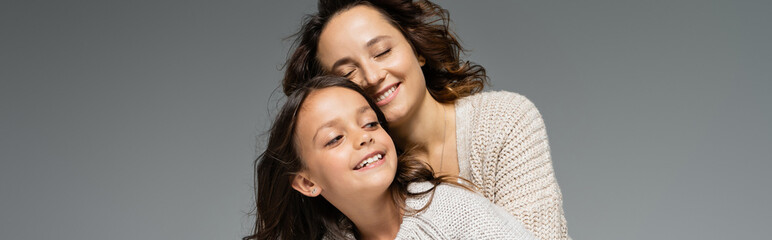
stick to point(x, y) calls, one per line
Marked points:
point(387, 95)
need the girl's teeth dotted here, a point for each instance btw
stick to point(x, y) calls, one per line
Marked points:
point(370, 160)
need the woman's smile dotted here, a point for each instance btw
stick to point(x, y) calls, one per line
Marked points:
point(363, 46)
point(385, 96)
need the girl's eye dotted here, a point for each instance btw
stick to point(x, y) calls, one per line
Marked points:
point(383, 53)
point(333, 141)
point(371, 125)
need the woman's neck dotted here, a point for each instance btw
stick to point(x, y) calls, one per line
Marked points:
point(378, 218)
point(431, 131)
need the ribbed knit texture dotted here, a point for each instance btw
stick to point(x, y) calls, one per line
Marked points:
point(503, 149)
point(456, 213)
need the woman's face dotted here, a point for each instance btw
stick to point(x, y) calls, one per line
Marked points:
point(346, 152)
point(362, 45)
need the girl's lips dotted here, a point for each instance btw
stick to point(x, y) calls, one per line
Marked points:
point(372, 164)
point(375, 164)
point(390, 97)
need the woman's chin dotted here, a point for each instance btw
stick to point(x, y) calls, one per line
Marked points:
point(395, 115)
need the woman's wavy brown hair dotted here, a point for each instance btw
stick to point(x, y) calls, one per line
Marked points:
point(423, 23)
point(284, 213)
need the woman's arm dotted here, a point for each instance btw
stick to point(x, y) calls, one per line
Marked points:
point(508, 157)
point(525, 178)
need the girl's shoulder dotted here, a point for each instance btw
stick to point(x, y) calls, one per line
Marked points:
point(444, 198)
point(457, 213)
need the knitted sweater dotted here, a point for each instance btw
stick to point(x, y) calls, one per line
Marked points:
point(503, 149)
point(456, 213)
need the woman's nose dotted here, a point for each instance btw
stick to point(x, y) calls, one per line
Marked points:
point(373, 74)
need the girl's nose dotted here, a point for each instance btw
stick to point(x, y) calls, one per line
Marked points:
point(366, 139)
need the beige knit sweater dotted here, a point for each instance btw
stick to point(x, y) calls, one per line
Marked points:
point(457, 213)
point(503, 149)
point(453, 213)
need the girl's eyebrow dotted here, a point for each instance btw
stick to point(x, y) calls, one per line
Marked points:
point(325, 125)
point(330, 123)
point(363, 109)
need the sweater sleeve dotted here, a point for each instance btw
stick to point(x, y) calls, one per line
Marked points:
point(516, 165)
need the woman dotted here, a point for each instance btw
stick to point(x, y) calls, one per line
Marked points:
point(330, 170)
point(405, 57)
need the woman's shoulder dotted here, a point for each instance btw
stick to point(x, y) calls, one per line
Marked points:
point(496, 112)
point(495, 101)
point(486, 122)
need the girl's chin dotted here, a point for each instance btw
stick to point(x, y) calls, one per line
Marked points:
point(380, 181)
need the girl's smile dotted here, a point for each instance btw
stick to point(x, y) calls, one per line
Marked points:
point(370, 161)
point(347, 154)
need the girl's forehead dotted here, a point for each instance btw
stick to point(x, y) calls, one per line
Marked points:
point(330, 103)
point(334, 98)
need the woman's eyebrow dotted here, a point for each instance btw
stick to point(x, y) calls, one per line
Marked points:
point(376, 40)
point(341, 61)
point(373, 41)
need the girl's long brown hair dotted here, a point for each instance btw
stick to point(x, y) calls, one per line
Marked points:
point(424, 24)
point(284, 213)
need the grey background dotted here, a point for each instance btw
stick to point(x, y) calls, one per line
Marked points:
point(140, 119)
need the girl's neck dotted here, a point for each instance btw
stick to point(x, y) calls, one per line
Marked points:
point(378, 218)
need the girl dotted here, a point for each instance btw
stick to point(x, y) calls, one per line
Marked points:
point(331, 170)
point(405, 57)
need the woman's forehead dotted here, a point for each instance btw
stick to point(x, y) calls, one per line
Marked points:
point(352, 30)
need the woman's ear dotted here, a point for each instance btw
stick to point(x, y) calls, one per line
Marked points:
point(304, 185)
point(421, 60)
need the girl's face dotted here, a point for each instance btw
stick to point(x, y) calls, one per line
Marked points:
point(348, 156)
point(362, 45)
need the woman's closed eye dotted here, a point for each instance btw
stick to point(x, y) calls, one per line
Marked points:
point(383, 53)
point(348, 74)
